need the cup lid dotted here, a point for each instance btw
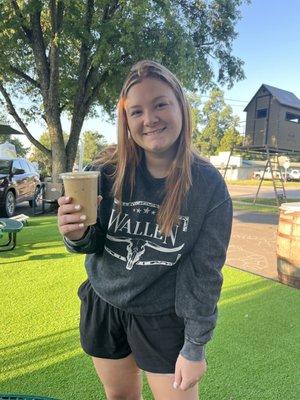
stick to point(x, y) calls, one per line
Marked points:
point(79, 174)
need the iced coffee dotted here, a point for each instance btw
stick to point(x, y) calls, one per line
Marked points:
point(82, 188)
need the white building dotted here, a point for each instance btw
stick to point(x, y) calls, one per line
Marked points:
point(239, 168)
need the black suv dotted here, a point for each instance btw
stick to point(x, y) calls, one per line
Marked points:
point(19, 181)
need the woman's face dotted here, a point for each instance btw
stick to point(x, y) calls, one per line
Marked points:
point(154, 117)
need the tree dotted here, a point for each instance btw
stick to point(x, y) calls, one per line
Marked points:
point(43, 160)
point(20, 149)
point(93, 143)
point(66, 57)
point(217, 119)
point(231, 137)
point(195, 104)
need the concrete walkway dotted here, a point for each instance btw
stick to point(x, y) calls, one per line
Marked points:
point(252, 246)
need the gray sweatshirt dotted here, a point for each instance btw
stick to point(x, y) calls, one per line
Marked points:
point(132, 266)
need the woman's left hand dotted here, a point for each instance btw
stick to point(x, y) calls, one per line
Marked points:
point(188, 373)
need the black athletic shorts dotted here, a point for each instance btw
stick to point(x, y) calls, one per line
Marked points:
point(108, 332)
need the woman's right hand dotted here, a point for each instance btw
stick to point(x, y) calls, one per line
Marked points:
point(70, 221)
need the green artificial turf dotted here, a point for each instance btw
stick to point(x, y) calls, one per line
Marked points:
point(253, 355)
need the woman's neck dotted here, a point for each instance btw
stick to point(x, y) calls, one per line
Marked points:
point(158, 166)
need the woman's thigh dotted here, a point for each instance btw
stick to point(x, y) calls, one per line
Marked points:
point(161, 386)
point(122, 379)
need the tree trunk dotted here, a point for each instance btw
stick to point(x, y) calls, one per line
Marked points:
point(58, 159)
point(71, 148)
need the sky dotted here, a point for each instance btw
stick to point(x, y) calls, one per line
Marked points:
point(267, 42)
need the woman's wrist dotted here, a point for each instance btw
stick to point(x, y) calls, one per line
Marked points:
point(193, 351)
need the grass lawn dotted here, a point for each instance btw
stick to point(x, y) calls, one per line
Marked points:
point(262, 205)
point(252, 356)
point(255, 182)
point(241, 205)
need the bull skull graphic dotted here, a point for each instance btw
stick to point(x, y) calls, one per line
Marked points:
point(134, 252)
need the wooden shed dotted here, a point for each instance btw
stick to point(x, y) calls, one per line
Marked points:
point(273, 120)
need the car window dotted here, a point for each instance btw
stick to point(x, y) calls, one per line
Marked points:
point(16, 165)
point(30, 166)
point(25, 166)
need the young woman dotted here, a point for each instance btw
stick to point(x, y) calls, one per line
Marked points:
point(155, 255)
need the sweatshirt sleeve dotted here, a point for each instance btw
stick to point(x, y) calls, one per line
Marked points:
point(199, 280)
point(92, 242)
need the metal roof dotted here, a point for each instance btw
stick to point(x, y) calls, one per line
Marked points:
point(282, 96)
point(8, 130)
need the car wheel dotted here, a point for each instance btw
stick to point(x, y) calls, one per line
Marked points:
point(9, 204)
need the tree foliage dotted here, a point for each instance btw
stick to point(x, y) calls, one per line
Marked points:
point(230, 138)
point(21, 150)
point(43, 160)
point(217, 120)
point(195, 104)
point(93, 143)
point(67, 56)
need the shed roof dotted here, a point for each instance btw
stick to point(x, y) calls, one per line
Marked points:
point(282, 96)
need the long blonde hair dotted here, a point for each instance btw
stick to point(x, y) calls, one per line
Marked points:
point(129, 154)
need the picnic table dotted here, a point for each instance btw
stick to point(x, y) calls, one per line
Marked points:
point(11, 227)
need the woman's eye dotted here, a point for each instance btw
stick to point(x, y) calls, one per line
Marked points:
point(135, 113)
point(161, 105)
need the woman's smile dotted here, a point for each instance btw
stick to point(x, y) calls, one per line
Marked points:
point(155, 132)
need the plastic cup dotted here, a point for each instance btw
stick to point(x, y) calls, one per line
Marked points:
point(82, 187)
